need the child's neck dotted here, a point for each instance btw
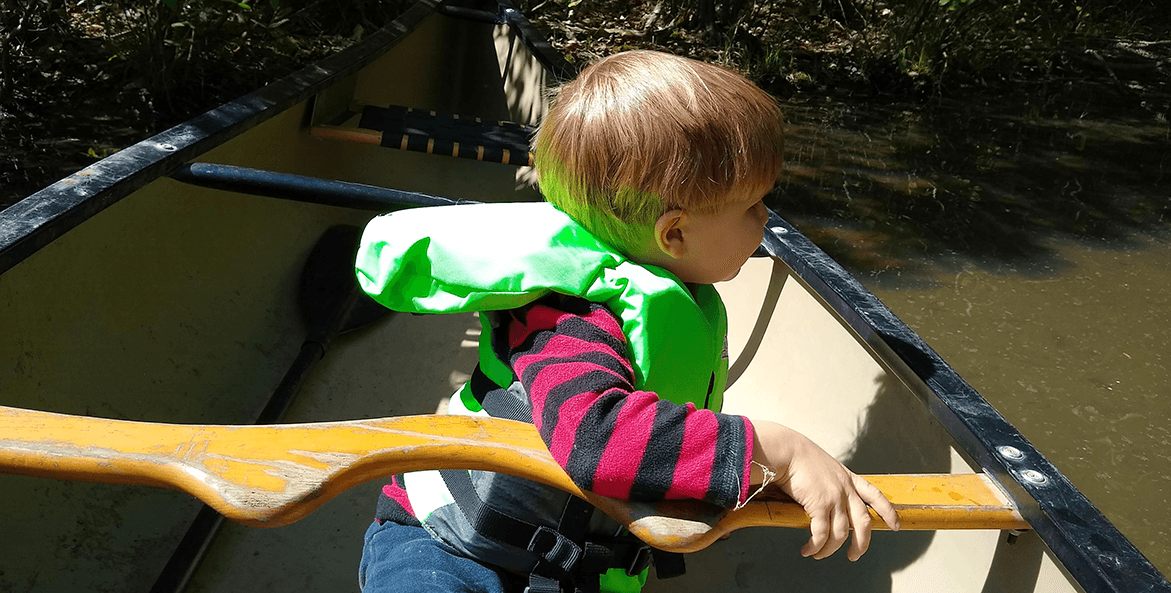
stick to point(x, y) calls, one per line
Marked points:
point(649, 254)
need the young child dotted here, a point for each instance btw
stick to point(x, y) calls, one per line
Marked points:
point(601, 327)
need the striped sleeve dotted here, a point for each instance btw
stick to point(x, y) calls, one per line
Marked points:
point(571, 357)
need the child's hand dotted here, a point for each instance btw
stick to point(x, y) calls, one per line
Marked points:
point(834, 497)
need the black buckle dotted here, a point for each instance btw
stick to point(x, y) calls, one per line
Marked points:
point(556, 549)
point(641, 560)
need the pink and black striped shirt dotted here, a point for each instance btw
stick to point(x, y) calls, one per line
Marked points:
point(570, 356)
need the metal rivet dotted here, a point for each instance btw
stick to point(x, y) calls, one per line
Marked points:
point(780, 230)
point(1010, 452)
point(1034, 476)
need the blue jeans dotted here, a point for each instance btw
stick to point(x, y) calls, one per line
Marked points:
point(404, 559)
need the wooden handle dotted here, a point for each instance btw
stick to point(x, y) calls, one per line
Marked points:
point(273, 475)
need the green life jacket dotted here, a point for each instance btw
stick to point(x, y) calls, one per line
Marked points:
point(497, 257)
point(490, 257)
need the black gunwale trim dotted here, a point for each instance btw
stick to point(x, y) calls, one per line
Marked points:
point(1085, 542)
point(35, 221)
point(537, 43)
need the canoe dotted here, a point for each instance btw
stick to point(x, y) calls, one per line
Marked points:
point(169, 284)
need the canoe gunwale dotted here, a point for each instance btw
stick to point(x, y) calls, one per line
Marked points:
point(550, 58)
point(1087, 545)
point(37, 220)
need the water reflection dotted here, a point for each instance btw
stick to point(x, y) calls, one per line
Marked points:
point(1030, 252)
point(883, 187)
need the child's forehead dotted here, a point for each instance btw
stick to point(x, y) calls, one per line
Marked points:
point(742, 195)
point(751, 189)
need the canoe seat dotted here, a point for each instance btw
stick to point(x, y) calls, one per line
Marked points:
point(419, 130)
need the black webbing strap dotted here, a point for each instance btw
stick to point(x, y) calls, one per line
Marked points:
point(553, 548)
point(573, 525)
point(565, 559)
point(511, 403)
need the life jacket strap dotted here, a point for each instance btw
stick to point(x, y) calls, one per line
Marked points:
point(567, 559)
point(511, 403)
point(483, 518)
point(559, 555)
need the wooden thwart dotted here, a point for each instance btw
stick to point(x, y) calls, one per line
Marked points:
point(273, 475)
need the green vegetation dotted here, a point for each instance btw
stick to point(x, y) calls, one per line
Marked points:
point(905, 48)
point(174, 52)
point(80, 78)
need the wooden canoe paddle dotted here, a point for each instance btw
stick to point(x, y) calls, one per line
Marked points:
point(273, 475)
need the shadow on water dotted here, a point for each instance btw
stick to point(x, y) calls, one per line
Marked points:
point(884, 187)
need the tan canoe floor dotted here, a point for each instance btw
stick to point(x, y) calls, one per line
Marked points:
point(268, 476)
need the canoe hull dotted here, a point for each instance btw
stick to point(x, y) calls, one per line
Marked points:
point(144, 298)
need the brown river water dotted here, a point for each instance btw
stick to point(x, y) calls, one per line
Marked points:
point(1031, 248)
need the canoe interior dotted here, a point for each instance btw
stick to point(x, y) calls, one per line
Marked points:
point(178, 304)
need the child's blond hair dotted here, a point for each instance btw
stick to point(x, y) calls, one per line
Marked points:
point(641, 132)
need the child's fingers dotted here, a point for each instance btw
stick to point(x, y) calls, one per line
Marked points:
point(838, 535)
point(860, 518)
point(872, 496)
point(819, 527)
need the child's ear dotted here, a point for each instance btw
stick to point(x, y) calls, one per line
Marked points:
point(669, 233)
